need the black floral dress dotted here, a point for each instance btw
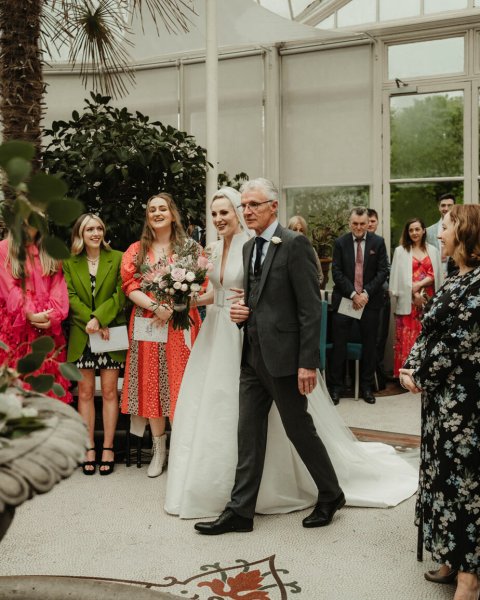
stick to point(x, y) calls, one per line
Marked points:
point(446, 360)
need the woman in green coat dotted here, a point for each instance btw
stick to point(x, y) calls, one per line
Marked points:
point(96, 301)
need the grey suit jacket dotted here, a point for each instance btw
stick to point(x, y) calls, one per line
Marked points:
point(432, 233)
point(288, 309)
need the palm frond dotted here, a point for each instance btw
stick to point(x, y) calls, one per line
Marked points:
point(173, 13)
point(96, 33)
point(99, 45)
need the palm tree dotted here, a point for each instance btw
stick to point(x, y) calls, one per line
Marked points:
point(95, 32)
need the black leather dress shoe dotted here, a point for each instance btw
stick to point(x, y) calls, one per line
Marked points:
point(323, 512)
point(334, 395)
point(368, 396)
point(227, 522)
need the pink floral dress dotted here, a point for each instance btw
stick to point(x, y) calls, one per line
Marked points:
point(41, 292)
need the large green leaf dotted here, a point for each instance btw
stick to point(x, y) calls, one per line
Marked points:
point(56, 248)
point(30, 363)
point(18, 170)
point(58, 390)
point(40, 383)
point(70, 371)
point(13, 149)
point(43, 344)
point(64, 210)
point(45, 188)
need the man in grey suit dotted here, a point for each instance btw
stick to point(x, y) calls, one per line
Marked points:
point(281, 318)
point(445, 203)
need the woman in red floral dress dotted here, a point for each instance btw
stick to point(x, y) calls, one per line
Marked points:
point(154, 370)
point(416, 274)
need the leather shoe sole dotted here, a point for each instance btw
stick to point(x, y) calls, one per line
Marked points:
point(323, 512)
point(435, 578)
point(227, 522)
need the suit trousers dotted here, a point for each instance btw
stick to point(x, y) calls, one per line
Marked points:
point(341, 325)
point(257, 391)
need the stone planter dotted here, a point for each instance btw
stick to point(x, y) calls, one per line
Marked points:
point(34, 463)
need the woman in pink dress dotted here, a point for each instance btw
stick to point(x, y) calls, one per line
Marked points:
point(36, 310)
point(154, 370)
point(415, 275)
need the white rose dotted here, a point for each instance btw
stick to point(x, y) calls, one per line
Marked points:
point(184, 287)
point(10, 405)
point(171, 291)
point(195, 287)
point(276, 240)
point(177, 285)
point(190, 276)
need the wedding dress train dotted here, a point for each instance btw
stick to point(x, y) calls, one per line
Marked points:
point(203, 449)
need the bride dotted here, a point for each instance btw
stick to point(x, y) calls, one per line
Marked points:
point(203, 448)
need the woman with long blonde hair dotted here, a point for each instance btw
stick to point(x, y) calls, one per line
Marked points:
point(97, 301)
point(33, 303)
point(154, 370)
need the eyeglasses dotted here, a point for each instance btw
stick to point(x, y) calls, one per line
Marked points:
point(253, 206)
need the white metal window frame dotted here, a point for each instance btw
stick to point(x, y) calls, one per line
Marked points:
point(468, 82)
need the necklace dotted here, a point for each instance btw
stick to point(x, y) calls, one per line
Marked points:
point(93, 261)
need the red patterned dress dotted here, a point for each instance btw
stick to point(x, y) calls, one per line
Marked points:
point(41, 292)
point(408, 327)
point(154, 370)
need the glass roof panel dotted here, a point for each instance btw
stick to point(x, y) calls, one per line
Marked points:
point(436, 6)
point(356, 13)
point(393, 9)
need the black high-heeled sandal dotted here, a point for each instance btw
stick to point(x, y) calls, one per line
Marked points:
point(89, 463)
point(110, 464)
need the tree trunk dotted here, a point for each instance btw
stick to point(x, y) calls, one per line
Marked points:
point(21, 79)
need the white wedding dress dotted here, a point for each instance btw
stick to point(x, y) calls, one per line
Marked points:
point(203, 449)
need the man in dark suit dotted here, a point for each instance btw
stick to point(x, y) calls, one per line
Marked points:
point(360, 268)
point(281, 318)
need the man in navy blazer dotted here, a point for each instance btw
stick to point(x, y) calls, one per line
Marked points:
point(360, 267)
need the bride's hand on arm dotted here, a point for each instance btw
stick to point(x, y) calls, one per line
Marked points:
point(238, 294)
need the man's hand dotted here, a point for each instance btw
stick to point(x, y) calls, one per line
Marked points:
point(239, 312)
point(359, 301)
point(307, 380)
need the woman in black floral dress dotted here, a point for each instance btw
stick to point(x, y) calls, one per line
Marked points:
point(444, 365)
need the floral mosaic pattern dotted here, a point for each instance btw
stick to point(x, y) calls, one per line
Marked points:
point(244, 580)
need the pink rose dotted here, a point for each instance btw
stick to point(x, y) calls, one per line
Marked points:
point(178, 274)
point(203, 262)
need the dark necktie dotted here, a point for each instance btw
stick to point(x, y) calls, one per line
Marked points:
point(259, 241)
point(359, 267)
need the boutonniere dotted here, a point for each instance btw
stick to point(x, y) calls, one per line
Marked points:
point(372, 252)
point(276, 240)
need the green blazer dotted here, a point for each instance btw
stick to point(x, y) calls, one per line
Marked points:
point(109, 299)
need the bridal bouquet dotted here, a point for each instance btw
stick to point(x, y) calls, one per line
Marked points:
point(176, 280)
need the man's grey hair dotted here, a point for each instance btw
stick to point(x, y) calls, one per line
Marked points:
point(359, 211)
point(260, 183)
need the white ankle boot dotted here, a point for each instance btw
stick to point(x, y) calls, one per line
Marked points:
point(159, 457)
